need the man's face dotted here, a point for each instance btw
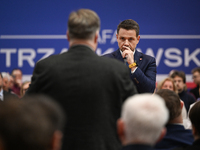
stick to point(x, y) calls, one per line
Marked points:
point(196, 77)
point(17, 76)
point(11, 82)
point(5, 84)
point(127, 38)
point(1, 82)
point(179, 83)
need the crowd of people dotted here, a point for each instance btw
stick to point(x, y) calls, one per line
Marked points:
point(78, 100)
point(12, 84)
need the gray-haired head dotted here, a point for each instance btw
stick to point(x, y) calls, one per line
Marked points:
point(83, 24)
point(144, 118)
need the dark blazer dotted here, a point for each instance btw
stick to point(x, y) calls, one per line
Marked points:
point(195, 92)
point(187, 98)
point(177, 136)
point(91, 89)
point(145, 75)
point(137, 147)
point(194, 146)
point(8, 95)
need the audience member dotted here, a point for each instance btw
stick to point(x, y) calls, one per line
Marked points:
point(195, 119)
point(24, 88)
point(6, 79)
point(177, 135)
point(4, 95)
point(180, 82)
point(142, 67)
point(89, 87)
point(11, 84)
point(33, 123)
point(142, 122)
point(196, 78)
point(171, 72)
point(168, 83)
point(17, 75)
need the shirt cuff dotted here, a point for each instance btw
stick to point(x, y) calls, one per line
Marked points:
point(134, 70)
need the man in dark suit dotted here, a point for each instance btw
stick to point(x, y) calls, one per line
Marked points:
point(90, 88)
point(142, 67)
point(177, 135)
point(142, 122)
point(195, 119)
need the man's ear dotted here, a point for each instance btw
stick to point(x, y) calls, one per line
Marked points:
point(117, 36)
point(120, 130)
point(56, 140)
point(67, 33)
point(96, 37)
point(138, 39)
point(194, 131)
point(162, 134)
point(182, 104)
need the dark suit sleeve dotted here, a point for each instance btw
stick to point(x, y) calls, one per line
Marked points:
point(145, 80)
point(38, 79)
point(129, 87)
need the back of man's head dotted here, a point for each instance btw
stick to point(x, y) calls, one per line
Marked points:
point(194, 116)
point(172, 102)
point(33, 123)
point(143, 119)
point(83, 24)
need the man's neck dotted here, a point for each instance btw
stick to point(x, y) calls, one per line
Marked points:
point(177, 120)
point(196, 137)
point(180, 91)
point(88, 43)
point(124, 143)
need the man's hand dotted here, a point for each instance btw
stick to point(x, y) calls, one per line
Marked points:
point(128, 53)
point(19, 82)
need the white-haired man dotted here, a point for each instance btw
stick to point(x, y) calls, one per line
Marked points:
point(142, 122)
point(6, 79)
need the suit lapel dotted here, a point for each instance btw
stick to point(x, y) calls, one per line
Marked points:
point(138, 57)
point(119, 56)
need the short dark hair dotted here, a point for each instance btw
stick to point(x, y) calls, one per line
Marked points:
point(197, 69)
point(172, 102)
point(194, 116)
point(129, 24)
point(179, 74)
point(16, 69)
point(83, 24)
point(29, 123)
point(1, 75)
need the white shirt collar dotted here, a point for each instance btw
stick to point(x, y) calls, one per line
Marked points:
point(1, 94)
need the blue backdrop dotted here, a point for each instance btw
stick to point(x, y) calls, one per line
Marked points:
point(169, 29)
